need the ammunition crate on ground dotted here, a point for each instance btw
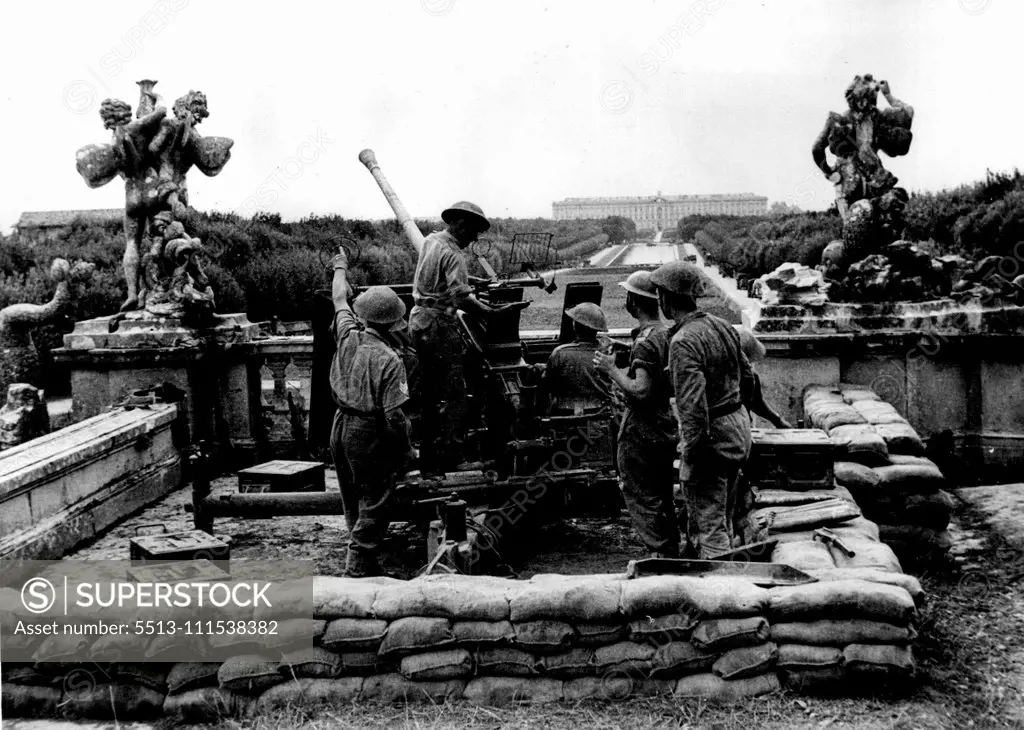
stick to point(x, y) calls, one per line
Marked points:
point(177, 547)
point(791, 458)
point(282, 476)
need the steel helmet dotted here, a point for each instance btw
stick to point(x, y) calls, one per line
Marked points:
point(589, 315)
point(467, 210)
point(679, 277)
point(380, 305)
point(750, 345)
point(639, 283)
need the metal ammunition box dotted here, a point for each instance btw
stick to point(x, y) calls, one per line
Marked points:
point(282, 476)
point(167, 548)
point(791, 458)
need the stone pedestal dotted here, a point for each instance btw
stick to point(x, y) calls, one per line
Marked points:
point(109, 357)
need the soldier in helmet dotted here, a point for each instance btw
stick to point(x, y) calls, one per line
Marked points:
point(572, 383)
point(370, 436)
point(710, 375)
point(648, 435)
point(441, 286)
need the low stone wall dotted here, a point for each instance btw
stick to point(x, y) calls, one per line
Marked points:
point(493, 641)
point(63, 488)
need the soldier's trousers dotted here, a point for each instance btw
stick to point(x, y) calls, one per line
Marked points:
point(440, 350)
point(646, 475)
point(710, 494)
point(367, 482)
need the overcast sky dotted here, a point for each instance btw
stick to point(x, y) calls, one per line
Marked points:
point(511, 104)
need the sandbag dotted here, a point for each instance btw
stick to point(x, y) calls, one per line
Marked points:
point(543, 636)
point(26, 674)
point(809, 680)
point(823, 394)
point(859, 528)
point(690, 596)
point(63, 648)
point(598, 634)
point(249, 674)
point(209, 705)
point(933, 511)
point(109, 701)
point(879, 659)
point(806, 555)
point(394, 688)
point(408, 635)
point(853, 394)
point(828, 416)
point(901, 438)
point(507, 690)
point(29, 701)
point(841, 599)
point(817, 514)
point(503, 660)
point(764, 497)
point(839, 633)
point(178, 646)
point(568, 599)
point(333, 597)
point(878, 411)
point(230, 644)
point(662, 629)
point(476, 633)
point(294, 633)
point(437, 666)
point(678, 658)
point(307, 692)
point(314, 662)
point(147, 674)
point(468, 598)
point(856, 477)
point(365, 663)
point(804, 656)
point(626, 658)
point(354, 634)
point(860, 443)
point(910, 478)
point(722, 634)
point(867, 554)
point(922, 539)
point(907, 582)
point(185, 676)
point(747, 661)
point(578, 662)
point(119, 647)
point(608, 687)
point(712, 687)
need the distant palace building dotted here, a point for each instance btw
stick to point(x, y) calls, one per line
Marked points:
point(660, 211)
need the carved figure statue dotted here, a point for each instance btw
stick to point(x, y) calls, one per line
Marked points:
point(19, 361)
point(153, 154)
point(23, 416)
point(868, 200)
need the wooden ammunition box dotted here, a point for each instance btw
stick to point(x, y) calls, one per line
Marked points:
point(169, 548)
point(791, 458)
point(282, 476)
point(193, 570)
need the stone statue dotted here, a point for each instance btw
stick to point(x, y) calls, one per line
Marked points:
point(153, 154)
point(868, 200)
point(19, 360)
point(23, 416)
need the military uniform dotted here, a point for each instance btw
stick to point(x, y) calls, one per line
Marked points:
point(647, 444)
point(368, 380)
point(441, 277)
point(709, 372)
point(572, 382)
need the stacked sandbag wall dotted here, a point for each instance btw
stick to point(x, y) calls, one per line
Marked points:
point(492, 641)
point(881, 462)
